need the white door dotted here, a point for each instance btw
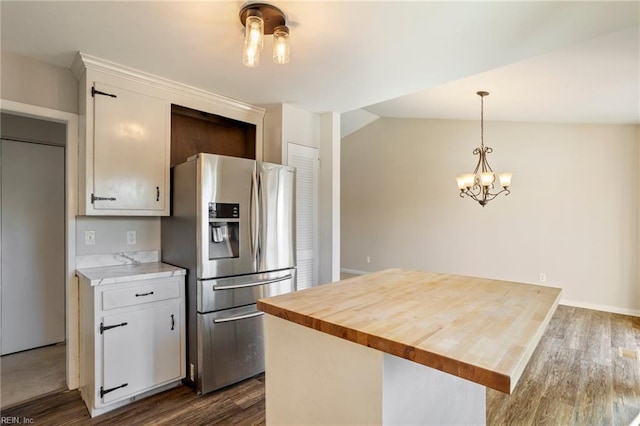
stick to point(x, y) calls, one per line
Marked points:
point(306, 160)
point(32, 240)
point(142, 349)
point(129, 150)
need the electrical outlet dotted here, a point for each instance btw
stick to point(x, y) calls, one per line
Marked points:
point(368, 259)
point(543, 277)
point(89, 238)
point(131, 237)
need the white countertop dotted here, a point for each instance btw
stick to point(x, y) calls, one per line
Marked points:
point(122, 273)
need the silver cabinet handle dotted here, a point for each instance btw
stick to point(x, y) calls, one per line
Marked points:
point(252, 284)
point(253, 228)
point(239, 317)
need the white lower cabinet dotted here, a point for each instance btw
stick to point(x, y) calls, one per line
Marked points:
point(141, 350)
point(132, 340)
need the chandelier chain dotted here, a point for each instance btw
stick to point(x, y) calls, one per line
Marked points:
point(481, 123)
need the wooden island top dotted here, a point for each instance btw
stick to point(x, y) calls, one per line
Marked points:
point(479, 329)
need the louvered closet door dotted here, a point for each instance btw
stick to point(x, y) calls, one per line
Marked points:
point(305, 160)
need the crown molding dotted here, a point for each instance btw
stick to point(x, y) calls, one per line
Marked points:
point(83, 61)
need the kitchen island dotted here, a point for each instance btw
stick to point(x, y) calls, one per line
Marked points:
point(399, 347)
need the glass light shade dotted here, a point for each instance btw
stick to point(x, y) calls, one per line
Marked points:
point(281, 45)
point(254, 32)
point(469, 179)
point(487, 178)
point(461, 184)
point(505, 179)
point(250, 56)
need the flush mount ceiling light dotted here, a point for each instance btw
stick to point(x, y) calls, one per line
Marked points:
point(260, 19)
point(477, 185)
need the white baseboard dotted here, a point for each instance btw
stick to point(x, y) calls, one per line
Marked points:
point(604, 308)
point(353, 271)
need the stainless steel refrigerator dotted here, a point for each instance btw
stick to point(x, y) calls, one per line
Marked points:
point(232, 227)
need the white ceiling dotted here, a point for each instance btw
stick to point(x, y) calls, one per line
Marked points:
point(542, 61)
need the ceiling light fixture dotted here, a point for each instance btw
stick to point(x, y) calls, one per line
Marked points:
point(477, 185)
point(260, 19)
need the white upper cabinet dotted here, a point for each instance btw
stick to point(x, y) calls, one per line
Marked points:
point(130, 165)
point(125, 135)
point(125, 146)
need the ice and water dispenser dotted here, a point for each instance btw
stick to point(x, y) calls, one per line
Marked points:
point(224, 230)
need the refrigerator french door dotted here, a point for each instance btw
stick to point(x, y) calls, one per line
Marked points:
point(232, 228)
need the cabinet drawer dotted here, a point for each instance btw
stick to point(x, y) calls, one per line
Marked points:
point(139, 294)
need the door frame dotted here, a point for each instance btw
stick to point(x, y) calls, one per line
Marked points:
point(71, 210)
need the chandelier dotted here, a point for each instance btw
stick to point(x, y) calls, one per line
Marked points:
point(478, 185)
point(260, 19)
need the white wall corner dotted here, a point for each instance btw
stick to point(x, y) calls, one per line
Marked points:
point(329, 197)
point(355, 120)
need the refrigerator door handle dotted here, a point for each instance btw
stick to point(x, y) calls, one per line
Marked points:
point(254, 283)
point(253, 227)
point(239, 317)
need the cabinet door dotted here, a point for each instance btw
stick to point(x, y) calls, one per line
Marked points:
point(130, 161)
point(142, 351)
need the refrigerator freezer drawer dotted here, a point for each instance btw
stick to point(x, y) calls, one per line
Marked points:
point(225, 293)
point(231, 348)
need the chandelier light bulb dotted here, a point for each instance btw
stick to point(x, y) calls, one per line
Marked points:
point(250, 56)
point(505, 179)
point(255, 38)
point(254, 31)
point(487, 178)
point(281, 45)
point(469, 180)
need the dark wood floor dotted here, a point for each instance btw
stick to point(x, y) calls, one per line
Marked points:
point(576, 376)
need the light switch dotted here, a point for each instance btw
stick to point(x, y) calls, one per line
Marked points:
point(131, 237)
point(89, 238)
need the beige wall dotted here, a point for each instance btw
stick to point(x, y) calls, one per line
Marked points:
point(34, 82)
point(573, 213)
point(272, 141)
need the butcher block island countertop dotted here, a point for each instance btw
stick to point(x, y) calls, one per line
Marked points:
point(478, 329)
